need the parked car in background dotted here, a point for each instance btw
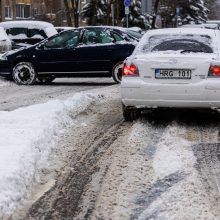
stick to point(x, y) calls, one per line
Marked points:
point(137, 35)
point(131, 33)
point(81, 52)
point(172, 68)
point(5, 43)
point(28, 32)
point(60, 29)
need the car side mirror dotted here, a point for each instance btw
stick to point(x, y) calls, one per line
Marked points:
point(41, 46)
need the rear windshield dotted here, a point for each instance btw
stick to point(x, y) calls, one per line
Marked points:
point(23, 33)
point(179, 43)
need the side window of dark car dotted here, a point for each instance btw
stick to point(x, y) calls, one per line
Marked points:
point(91, 37)
point(67, 39)
point(106, 37)
point(117, 36)
point(97, 36)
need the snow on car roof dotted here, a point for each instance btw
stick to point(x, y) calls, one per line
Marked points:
point(46, 26)
point(180, 30)
point(26, 24)
point(205, 25)
point(64, 27)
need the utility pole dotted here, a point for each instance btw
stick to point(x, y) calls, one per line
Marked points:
point(127, 4)
point(156, 5)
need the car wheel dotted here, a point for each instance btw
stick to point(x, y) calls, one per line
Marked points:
point(130, 113)
point(24, 73)
point(117, 72)
point(46, 80)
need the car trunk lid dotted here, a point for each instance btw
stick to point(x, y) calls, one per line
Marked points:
point(174, 68)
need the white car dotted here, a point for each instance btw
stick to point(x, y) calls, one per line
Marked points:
point(204, 25)
point(5, 43)
point(172, 68)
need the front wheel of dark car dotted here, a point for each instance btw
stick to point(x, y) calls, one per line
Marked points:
point(24, 73)
point(117, 72)
point(130, 113)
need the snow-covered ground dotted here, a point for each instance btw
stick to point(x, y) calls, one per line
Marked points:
point(147, 171)
point(27, 136)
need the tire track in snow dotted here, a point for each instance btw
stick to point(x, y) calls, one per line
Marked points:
point(168, 197)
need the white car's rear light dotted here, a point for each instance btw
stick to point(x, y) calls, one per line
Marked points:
point(214, 70)
point(131, 70)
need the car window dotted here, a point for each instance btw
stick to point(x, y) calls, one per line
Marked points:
point(97, 36)
point(117, 37)
point(181, 43)
point(134, 34)
point(22, 32)
point(66, 39)
point(91, 37)
point(36, 33)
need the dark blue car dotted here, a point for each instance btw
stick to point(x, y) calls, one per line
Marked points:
point(81, 52)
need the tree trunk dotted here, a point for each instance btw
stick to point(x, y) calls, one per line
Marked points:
point(14, 9)
point(108, 17)
point(68, 14)
point(156, 4)
point(75, 5)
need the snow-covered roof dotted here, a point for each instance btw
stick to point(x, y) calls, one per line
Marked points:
point(181, 31)
point(209, 26)
point(42, 25)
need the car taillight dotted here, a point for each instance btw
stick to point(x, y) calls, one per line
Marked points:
point(131, 70)
point(214, 70)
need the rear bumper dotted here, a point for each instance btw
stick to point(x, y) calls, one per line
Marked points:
point(204, 94)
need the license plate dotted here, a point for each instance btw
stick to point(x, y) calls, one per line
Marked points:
point(172, 74)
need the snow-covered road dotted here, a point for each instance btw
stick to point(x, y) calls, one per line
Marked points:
point(73, 157)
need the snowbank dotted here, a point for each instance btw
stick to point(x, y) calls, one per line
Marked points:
point(26, 138)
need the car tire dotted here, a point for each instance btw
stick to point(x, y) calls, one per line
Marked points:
point(130, 113)
point(24, 73)
point(117, 72)
point(46, 80)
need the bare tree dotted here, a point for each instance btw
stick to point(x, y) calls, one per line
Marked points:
point(14, 9)
point(75, 8)
point(68, 13)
